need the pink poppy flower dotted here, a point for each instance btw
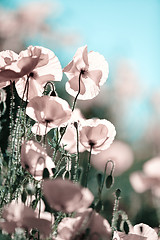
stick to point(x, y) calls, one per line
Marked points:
point(75, 228)
point(97, 134)
point(92, 68)
point(138, 232)
point(50, 112)
point(42, 66)
point(16, 214)
point(69, 140)
point(34, 159)
point(7, 58)
point(75, 198)
point(37, 64)
point(148, 178)
point(119, 152)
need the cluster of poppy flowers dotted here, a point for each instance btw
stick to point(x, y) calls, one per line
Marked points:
point(31, 70)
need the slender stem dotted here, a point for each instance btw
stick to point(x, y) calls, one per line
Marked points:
point(77, 156)
point(79, 89)
point(115, 214)
point(88, 166)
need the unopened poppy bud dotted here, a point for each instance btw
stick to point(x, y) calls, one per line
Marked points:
point(53, 93)
point(99, 179)
point(126, 227)
point(109, 181)
point(118, 193)
point(45, 173)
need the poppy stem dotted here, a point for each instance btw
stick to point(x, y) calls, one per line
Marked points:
point(77, 159)
point(104, 174)
point(115, 214)
point(88, 166)
point(79, 89)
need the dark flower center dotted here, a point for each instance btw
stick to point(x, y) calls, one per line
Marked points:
point(83, 71)
point(91, 143)
point(31, 74)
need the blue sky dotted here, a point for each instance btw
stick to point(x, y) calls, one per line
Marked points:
point(117, 29)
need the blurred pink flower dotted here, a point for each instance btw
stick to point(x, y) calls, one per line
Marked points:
point(34, 159)
point(98, 134)
point(75, 228)
point(148, 178)
point(16, 214)
point(69, 140)
point(92, 68)
point(7, 58)
point(119, 152)
point(138, 232)
point(50, 112)
point(64, 195)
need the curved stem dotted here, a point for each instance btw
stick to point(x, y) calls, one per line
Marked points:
point(79, 89)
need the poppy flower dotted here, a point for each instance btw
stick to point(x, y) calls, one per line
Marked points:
point(76, 228)
point(16, 214)
point(75, 198)
point(148, 178)
point(41, 65)
point(50, 112)
point(91, 68)
point(7, 58)
point(119, 152)
point(69, 140)
point(138, 232)
point(34, 67)
point(34, 159)
point(97, 134)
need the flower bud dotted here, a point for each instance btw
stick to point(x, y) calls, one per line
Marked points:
point(45, 173)
point(109, 181)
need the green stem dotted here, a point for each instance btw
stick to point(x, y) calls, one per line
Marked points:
point(88, 166)
point(79, 89)
point(77, 159)
point(115, 214)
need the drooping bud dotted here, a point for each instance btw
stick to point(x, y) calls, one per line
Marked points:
point(109, 181)
point(45, 173)
point(118, 193)
point(126, 227)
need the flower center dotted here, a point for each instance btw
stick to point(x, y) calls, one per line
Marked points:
point(31, 74)
point(84, 72)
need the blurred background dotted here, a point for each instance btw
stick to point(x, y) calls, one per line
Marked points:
point(127, 33)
